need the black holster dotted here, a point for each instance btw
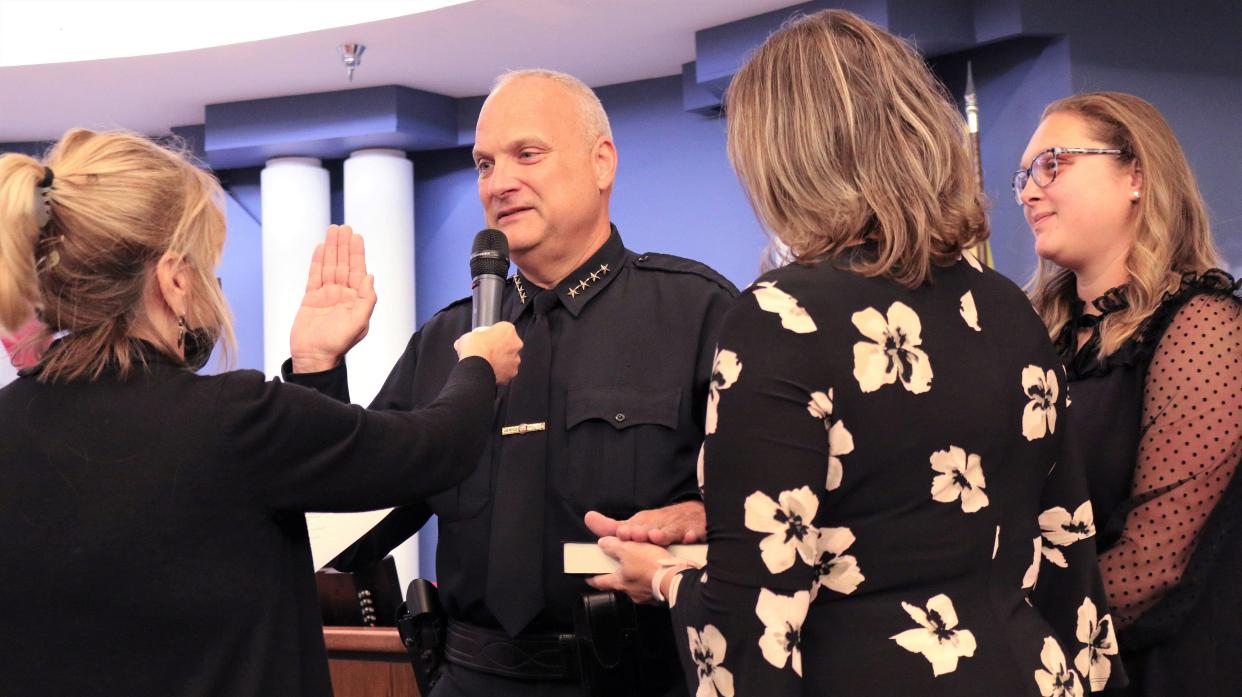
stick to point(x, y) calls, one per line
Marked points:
point(422, 623)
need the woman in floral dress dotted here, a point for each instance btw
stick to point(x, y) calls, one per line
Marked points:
point(886, 515)
point(1150, 333)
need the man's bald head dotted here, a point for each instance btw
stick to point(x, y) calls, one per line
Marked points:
point(594, 118)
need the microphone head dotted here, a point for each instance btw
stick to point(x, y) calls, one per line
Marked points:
point(489, 254)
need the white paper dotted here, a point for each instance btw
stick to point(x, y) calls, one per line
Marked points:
point(331, 533)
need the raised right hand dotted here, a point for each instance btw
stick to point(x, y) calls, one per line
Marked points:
point(498, 344)
point(336, 309)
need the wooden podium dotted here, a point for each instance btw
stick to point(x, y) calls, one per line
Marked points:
point(368, 662)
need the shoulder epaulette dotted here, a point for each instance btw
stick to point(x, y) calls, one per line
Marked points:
point(452, 305)
point(654, 261)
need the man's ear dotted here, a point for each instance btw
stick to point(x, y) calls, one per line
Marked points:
point(605, 161)
point(172, 275)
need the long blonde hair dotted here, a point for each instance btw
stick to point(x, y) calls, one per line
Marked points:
point(1174, 233)
point(117, 203)
point(841, 134)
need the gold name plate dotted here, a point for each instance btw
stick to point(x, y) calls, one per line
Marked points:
point(523, 428)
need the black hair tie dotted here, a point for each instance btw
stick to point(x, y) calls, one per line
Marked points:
point(48, 178)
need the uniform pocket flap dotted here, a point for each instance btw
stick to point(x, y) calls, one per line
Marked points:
point(622, 406)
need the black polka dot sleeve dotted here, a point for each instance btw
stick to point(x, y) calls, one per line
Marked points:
point(1189, 451)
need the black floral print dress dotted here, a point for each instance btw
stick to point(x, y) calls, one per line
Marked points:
point(885, 511)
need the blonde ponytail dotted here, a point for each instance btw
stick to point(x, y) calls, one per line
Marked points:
point(117, 204)
point(19, 239)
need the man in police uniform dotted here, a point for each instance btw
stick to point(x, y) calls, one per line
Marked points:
point(620, 345)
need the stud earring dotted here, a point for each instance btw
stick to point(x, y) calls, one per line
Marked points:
point(1135, 194)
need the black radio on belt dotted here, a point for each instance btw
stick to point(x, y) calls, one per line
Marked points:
point(606, 628)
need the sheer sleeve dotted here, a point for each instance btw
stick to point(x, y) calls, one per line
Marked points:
point(1190, 445)
point(740, 621)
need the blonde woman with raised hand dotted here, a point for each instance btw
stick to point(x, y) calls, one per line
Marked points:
point(153, 540)
point(885, 418)
point(1150, 331)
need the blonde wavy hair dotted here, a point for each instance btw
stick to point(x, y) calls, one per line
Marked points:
point(840, 134)
point(1174, 232)
point(117, 203)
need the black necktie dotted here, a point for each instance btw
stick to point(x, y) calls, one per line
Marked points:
point(515, 557)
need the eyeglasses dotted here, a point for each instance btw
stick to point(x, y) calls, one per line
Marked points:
point(1043, 169)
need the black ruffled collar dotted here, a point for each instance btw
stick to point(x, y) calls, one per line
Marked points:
point(1112, 300)
point(1085, 362)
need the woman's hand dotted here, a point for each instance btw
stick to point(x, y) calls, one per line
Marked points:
point(498, 344)
point(336, 309)
point(639, 562)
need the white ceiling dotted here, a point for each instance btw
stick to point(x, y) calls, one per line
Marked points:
point(454, 51)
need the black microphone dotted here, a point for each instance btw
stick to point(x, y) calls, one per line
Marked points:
point(489, 264)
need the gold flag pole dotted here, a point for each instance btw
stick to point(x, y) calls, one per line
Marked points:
point(983, 251)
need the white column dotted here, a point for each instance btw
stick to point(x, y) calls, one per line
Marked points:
point(379, 205)
point(296, 213)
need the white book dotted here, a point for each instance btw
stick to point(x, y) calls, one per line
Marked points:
point(588, 558)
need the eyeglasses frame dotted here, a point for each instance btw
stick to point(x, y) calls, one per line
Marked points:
point(1057, 151)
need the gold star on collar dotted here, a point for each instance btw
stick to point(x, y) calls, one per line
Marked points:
point(517, 284)
point(584, 283)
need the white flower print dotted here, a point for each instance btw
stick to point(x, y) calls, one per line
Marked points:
point(725, 371)
point(1056, 679)
point(708, 651)
point(892, 351)
point(840, 441)
point(789, 523)
point(793, 316)
point(1101, 642)
point(1054, 556)
point(1039, 418)
point(835, 569)
point(961, 477)
point(782, 617)
point(937, 637)
point(970, 313)
point(1031, 577)
point(1062, 529)
point(971, 259)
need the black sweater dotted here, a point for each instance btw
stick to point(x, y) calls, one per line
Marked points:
point(152, 538)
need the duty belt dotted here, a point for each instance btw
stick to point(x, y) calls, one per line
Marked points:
point(527, 657)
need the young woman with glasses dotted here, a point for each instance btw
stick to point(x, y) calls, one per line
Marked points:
point(1150, 332)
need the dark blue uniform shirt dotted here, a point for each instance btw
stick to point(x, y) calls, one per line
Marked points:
point(633, 339)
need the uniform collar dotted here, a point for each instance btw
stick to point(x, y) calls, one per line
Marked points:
point(582, 284)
